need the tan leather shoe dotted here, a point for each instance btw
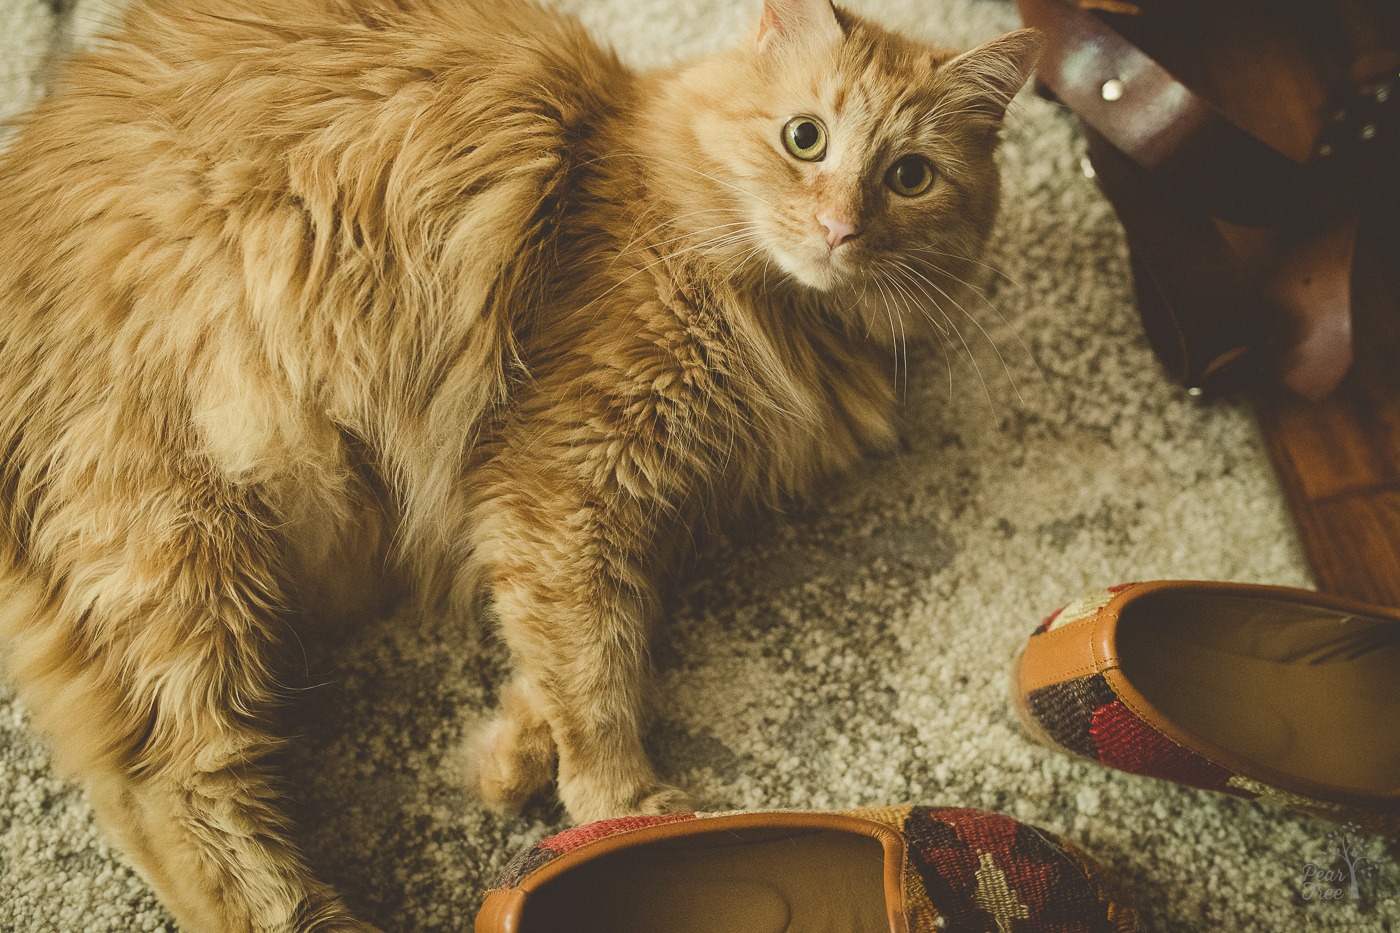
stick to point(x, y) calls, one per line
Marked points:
point(889, 870)
point(1256, 691)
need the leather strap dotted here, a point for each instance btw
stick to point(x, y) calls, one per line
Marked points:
point(1186, 180)
point(1182, 139)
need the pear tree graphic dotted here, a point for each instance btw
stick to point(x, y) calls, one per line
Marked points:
point(1355, 851)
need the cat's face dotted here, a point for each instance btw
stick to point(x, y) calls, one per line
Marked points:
point(856, 159)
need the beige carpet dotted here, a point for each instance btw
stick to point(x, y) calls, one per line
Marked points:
point(856, 653)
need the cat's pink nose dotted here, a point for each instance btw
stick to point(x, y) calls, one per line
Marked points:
point(838, 230)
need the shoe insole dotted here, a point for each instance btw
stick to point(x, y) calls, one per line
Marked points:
point(726, 882)
point(1305, 691)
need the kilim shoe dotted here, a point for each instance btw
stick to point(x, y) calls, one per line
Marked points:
point(890, 870)
point(1257, 691)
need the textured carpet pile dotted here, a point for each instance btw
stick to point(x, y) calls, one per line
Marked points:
point(852, 653)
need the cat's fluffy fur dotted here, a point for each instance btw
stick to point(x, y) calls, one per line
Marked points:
point(298, 308)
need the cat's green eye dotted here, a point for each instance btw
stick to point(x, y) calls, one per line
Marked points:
point(910, 176)
point(805, 138)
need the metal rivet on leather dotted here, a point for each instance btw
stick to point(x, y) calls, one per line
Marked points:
point(1112, 90)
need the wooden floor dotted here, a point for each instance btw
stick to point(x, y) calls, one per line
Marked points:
point(1339, 459)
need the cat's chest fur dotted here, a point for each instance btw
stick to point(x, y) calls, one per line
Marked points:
point(747, 394)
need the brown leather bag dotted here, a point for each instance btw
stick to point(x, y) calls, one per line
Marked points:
point(1246, 146)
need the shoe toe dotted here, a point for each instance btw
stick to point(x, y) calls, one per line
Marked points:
point(974, 870)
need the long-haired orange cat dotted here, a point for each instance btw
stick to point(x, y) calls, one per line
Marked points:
point(297, 307)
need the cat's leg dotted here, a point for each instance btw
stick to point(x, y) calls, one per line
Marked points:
point(591, 658)
point(151, 668)
point(570, 570)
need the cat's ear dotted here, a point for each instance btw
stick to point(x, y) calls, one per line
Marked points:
point(807, 21)
point(991, 74)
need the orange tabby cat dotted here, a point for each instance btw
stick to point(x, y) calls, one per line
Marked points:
point(299, 308)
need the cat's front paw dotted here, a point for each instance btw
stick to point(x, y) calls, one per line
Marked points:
point(588, 802)
point(665, 799)
point(511, 764)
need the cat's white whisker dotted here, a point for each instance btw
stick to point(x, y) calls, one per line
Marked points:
point(894, 341)
point(978, 324)
point(898, 267)
point(903, 345)
point(690, 235)
point(972, 357)
point(1001, 317)
point(940, 333)
point(960, 257)
point(668, 221)
point(719, 181)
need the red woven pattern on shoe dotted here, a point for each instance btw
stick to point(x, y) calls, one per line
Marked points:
point(985, 871)
point(571, 839)
point(537, 856)
point(1125, 742)
point(1066, 711)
